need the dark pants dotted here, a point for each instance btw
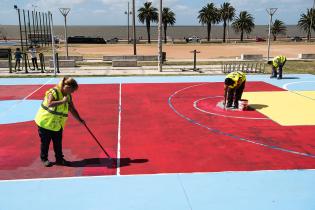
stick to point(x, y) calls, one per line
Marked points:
point(46, 136)
point(235, 94)
point(34, 61)
point(17, 63)
point(279, 73)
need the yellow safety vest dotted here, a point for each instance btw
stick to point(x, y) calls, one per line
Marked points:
point(238, 77)
point(53, 118)
point(279, 60)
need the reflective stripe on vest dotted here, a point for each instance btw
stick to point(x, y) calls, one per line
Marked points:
point(53, 112)
point(53, 118)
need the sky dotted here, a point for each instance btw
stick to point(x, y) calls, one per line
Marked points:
point(112, 12)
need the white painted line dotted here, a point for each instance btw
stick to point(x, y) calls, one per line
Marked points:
point(22, 100)
point(119, 132)
point(285, 86)
point(222, 115)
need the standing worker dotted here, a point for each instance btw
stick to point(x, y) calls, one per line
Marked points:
point(52, 116)
point(234, 85)
point(277, 64)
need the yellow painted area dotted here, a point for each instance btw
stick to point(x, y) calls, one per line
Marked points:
point(284, 107)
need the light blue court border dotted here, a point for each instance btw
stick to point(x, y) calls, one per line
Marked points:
point(300, 81)
point(261, 190)
point(15, 111)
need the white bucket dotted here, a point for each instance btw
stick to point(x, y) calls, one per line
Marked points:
point(242, 104)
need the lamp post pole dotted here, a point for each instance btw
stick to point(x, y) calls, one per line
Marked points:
point(64, 12)
point(271, 12)
point(128, 12)
point(19, 14)
point(160, 59)
point(134, 27)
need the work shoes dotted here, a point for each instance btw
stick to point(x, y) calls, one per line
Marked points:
point(46, 163)
point(62, 162)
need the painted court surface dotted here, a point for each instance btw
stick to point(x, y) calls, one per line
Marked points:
point(173, 147)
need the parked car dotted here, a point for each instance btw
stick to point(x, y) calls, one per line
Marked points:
point(193, 39)
point(112, 40)
point(296, 39)
point(260, 39)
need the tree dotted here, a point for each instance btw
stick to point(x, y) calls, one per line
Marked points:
point(277, 28)
point(227, 12)
point(148, 14)
point(168, 18)
point(209, 15)
point(243, 23)
point(307, 22)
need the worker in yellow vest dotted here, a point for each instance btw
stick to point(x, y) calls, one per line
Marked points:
point(52, 116)
point(234, 86)
point(277, 64)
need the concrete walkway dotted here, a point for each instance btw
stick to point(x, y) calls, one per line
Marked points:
point(119, 71)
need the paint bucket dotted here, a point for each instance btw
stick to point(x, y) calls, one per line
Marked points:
point(242, 104)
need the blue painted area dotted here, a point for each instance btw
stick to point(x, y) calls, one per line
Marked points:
point(113, 193)
point(157, 79)
point(272, 190)
point(15, 111)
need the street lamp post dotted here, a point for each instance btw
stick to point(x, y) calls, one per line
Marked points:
point(50, 17)
point(134, 27)
point(64, 12)
point(18, 10)
point(160, 59)
point(271, 12)
point(128, 12)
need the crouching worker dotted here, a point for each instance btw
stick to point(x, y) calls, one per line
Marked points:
point(52, 116)
point(277, 64)
point(234, 85)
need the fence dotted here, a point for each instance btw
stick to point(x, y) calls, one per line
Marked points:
point(247, 67)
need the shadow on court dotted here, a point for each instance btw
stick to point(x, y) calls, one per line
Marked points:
point(105, 162)
point(253, 107)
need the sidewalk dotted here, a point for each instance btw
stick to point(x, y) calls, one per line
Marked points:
point(118, 71)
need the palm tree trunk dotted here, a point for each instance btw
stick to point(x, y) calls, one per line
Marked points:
point(274, 38)
point(209, 32)
point(149, 32)
point(165, 38)
point(224, 28)
point(242, 35)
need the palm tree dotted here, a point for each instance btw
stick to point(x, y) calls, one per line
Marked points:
point(277, 28)
point(307, 22)
point(168, 18)
point(243, 23)
point(227, 12)
point(148, 14)
point(209, 15)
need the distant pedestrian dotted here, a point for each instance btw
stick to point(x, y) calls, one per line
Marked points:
point(18, 57)
point(33, 53)
point(277, 64)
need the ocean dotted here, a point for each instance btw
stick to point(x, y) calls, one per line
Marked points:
point(175, 32)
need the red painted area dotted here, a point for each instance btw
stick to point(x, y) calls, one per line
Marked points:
point(98, 105)
point(152, 130)
point(155, 139)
